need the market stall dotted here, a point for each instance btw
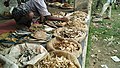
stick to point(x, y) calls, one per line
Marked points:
point(54, 43)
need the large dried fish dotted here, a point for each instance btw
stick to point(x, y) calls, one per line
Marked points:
point(40, 35)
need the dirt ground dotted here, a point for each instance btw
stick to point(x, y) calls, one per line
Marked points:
point(101, 55)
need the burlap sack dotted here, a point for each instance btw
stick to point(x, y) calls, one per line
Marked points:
point(52, 46)
point(55, 54)
point(58, 31)
point(68, 56)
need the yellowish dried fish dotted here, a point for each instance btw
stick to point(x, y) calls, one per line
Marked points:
point(57, 61)
point(70, 32)
point(68, 45)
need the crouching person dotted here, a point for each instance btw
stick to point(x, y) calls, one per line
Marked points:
point(24, 13)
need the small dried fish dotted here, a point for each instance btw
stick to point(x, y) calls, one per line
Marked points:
point(55, 62)
point(66, 45)
point(71, 33)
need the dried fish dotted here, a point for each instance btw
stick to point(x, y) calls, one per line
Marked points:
point(77, 15)
point(78, 24)
point(28, 53)
point(70, 32)
point(54, 61)
point(36, 27)
point(40, 35)
point(67, 45)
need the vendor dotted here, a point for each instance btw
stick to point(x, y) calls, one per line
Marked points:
point(24, 13)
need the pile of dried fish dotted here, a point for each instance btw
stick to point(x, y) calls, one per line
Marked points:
point(55, 4)
point(67, 6)
point(68, 45)
point(57, 60)
point(28, 53)
point(59, 14)
point(61, 5)
point(40, 35)
point(15, 38)
point(36, 27)
point(78, 24)
point(77, 15)
point(76, 19)
point(57, 24)
point(70, 32)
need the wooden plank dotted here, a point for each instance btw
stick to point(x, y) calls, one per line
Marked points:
point(86, 40)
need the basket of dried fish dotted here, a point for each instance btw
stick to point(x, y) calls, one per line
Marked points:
point(78, 24)
point(28, 53)
point(70, 32)
point(77, 15)
point(57, 59)
point(68, 45)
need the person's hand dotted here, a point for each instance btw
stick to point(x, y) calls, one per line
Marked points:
point(52, 18)
point(64, 19)
point(6, 3)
